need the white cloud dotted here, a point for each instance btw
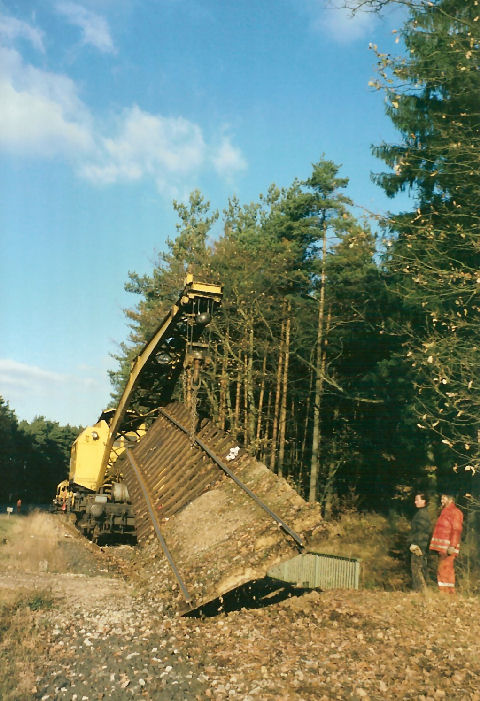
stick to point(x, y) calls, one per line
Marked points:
point(148, 145)
point(12, 29)
point(170, 150)
point(15, 375)
point(95, 30)
point(330, 18)
point(40, 112)
point(32, 391)
point(42, 115)
point(228, 159)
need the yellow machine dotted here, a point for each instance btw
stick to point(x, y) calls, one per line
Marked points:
point(86, 455)
point(100, 503)
point(95, 491)
point(89, 448)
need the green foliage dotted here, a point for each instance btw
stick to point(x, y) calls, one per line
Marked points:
point(275, 269)
point(433, 94)
point(34, 456)
point(325, 356)
point(36, 601)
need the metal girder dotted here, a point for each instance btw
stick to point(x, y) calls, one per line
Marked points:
point(193, 292)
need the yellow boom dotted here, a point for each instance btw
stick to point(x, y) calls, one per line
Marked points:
point(192, 309)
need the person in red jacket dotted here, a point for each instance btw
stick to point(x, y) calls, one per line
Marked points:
point(446, 541)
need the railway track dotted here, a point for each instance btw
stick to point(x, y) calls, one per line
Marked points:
point(196, 507)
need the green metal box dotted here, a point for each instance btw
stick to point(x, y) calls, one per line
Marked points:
point(318, 571)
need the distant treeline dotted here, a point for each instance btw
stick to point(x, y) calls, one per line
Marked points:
point(34, 456)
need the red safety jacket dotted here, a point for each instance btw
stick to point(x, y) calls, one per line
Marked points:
point(448, 530)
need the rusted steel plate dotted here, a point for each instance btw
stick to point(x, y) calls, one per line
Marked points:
point(218, 536)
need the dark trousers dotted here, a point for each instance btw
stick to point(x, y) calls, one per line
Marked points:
point(419, 571)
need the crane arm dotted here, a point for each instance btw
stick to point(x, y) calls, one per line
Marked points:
point(197, 299)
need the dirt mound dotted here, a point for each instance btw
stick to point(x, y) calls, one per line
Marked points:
point(224, 539)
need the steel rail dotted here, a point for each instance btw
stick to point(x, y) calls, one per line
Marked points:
point(237, 481)
point(156, 526)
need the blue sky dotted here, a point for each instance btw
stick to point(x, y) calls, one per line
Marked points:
point(109, 109)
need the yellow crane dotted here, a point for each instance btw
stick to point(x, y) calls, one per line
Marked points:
point(95, 492)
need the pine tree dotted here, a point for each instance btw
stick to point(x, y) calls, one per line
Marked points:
point(433, 95)
point(286, 377)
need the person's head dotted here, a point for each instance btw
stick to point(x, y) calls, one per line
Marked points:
point(420, 500)
point(447, 499)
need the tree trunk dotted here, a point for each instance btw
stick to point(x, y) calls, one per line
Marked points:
point(283, 407)
point(250, 408)
point(293, 461)
point(273, 449)
point(238, 393)
point(260, 402)
point(316, 434)
point(223, 391)
point(267, 424)
point(307, 421)
point(332, 468)
point(246, 362)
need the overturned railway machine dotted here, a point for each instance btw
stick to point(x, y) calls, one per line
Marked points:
point(155, 468)
point(95, 493)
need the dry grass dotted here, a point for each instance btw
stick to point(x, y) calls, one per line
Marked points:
point(27, 544)
point(22, 641)
point(32, 544)
point(381, 543)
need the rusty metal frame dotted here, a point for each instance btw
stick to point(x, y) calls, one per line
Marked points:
point(156, 525)
point(237, 481)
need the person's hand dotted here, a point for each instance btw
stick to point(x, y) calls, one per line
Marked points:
point(451, 550)
point(415, 550)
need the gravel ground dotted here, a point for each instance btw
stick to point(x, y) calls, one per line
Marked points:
point(114, 632)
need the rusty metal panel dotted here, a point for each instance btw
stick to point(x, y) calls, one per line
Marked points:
point(319, 571)
point(174, 473)
point(218, 536)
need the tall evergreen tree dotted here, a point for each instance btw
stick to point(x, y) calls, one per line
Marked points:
point(45, 447)
point(433, 95)
point(327, 209)
point(296, 340)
